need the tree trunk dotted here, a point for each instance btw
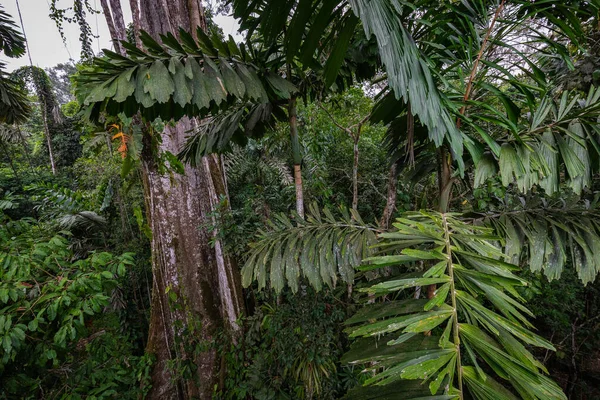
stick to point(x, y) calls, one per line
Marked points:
point(390, 204)
point(444, 192)
point(355, 175)
point(185, 299)
point(111, 26)
point(444, 179)
point(117, 13)
point(47, 133)
point(297, 155)
point(10, 160)
point(196, 287)
point(135, 16)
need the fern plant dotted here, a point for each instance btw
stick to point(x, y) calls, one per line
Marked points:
point(468, 341)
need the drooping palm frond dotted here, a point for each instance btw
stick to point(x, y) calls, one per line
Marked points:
point(12, 42)
point(478, 325)
point(321, 249)
point(67, 208)
point(237, 125)
point(559, 132)
point(408, 73)
point(14, 105)
point(486, 57)
point(547, 233)
point(86, 220)
point(176, 78)
point(12, 134)
point(320, 35)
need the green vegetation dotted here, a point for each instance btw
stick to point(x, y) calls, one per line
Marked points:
point(359, 199)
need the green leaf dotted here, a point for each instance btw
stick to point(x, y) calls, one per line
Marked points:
point(159, 84)
point(336, 58)
point(183, 87)
point(232, 81)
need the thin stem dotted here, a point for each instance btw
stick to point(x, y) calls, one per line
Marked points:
point(454, 307)
point(477, 60)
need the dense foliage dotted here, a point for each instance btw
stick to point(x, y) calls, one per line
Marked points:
point(410, 201)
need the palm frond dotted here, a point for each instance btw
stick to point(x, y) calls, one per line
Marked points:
point(12, 134)
point(321, 249)
point(559, 132)
point(12, 42)
point(14, 105)
point(475, 318)
point(215, 134)
point(177, 77)
point(408, 73)
point(86, 220)
point(250, 164)
point(9, 201)
point(548, 234)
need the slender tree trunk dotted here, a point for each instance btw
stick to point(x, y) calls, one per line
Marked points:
point(297, 155)
point(111, 26)
point(10, 160)
point(117, 13)
point(47, 133)
point(390, 204)
point(196, 287)
point(444, 192)
point(355, 174)
point(444, 179)
point(135, 16)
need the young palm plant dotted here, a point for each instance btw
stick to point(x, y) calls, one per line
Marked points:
point(468, 341)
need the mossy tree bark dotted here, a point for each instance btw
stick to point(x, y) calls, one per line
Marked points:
point(196, 288)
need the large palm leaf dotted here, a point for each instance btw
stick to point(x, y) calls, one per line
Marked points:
point(320, 248)
point(14, 105)
point(176, 78)
point(478, 327)
point(12, 42)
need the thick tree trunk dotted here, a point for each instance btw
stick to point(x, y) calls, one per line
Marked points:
point(185, 295)
point(297, 156)
point(111, 26)
point(196, 287)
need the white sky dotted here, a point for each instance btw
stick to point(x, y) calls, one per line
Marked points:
point(45, 44)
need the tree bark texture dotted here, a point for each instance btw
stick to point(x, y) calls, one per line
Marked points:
point(355, 173)
point(111, 26)
point(135, 16)
point(117, 14)
point(390, 204)
point(196, 287)
point(296, 155)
